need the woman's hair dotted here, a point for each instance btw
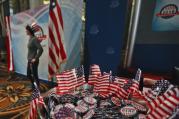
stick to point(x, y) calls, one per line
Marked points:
point(28, 27)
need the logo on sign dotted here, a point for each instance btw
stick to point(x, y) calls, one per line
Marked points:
point(168, 11)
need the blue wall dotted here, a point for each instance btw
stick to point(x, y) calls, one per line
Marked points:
point(105, 25)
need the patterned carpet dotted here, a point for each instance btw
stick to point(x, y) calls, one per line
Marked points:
point(15, 95)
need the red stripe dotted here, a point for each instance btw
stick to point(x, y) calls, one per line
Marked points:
point(52, 56)
point(8, 44)
point(59, 14)
point(50, 69)
point(58, 51)
point(52, 39)
point(62, 51)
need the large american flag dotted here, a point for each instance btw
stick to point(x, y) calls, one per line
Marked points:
point(57, 52)
point(8, 44)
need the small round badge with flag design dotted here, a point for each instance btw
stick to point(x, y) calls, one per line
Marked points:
point(90, 100)
point(116, 101)
point(128, 111)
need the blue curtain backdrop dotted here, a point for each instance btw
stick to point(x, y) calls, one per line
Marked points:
point(104, 35)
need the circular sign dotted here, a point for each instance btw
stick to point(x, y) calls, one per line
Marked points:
point(128, 111)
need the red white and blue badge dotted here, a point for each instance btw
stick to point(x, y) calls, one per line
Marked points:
point(116, 101)
point(128, 111)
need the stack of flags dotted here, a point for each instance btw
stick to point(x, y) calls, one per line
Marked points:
point(162, 99)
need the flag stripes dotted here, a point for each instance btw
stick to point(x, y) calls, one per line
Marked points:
point(120, 81)
point(36, 104)
point(164, 105)
point(150, 95)
point(8, 44)
point(66, 81)
point(165, 109)
point(93, 74)
point(102, 85)
point(70, 80)
point(161, 98)
point(57, 52)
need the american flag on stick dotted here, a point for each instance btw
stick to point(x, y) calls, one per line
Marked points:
point(93, 74)
point(35, 27)
point(80, 76)
point(70, 80)
point(36, 104)
point(102, 85)
point(57, 53)
point(164, 105)
point(66, 81)
point(120, 81)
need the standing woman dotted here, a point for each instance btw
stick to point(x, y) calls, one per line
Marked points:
point(35, 50)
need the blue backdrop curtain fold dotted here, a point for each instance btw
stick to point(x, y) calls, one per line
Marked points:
point(104, 35)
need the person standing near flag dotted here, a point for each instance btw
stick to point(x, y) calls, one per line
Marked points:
point(35, 50)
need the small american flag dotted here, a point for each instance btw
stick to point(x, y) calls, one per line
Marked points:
point(164, 105)
point(67, 81)
point(128, 84)
point(133, 85)
point(80, 76)
point(36, 104)
point(115, 87)
point(35, 27)
point(93, 74)
point(150, 95)
point(120, 81)
point(102, 85)
point(70, 80)
point(118, 91)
